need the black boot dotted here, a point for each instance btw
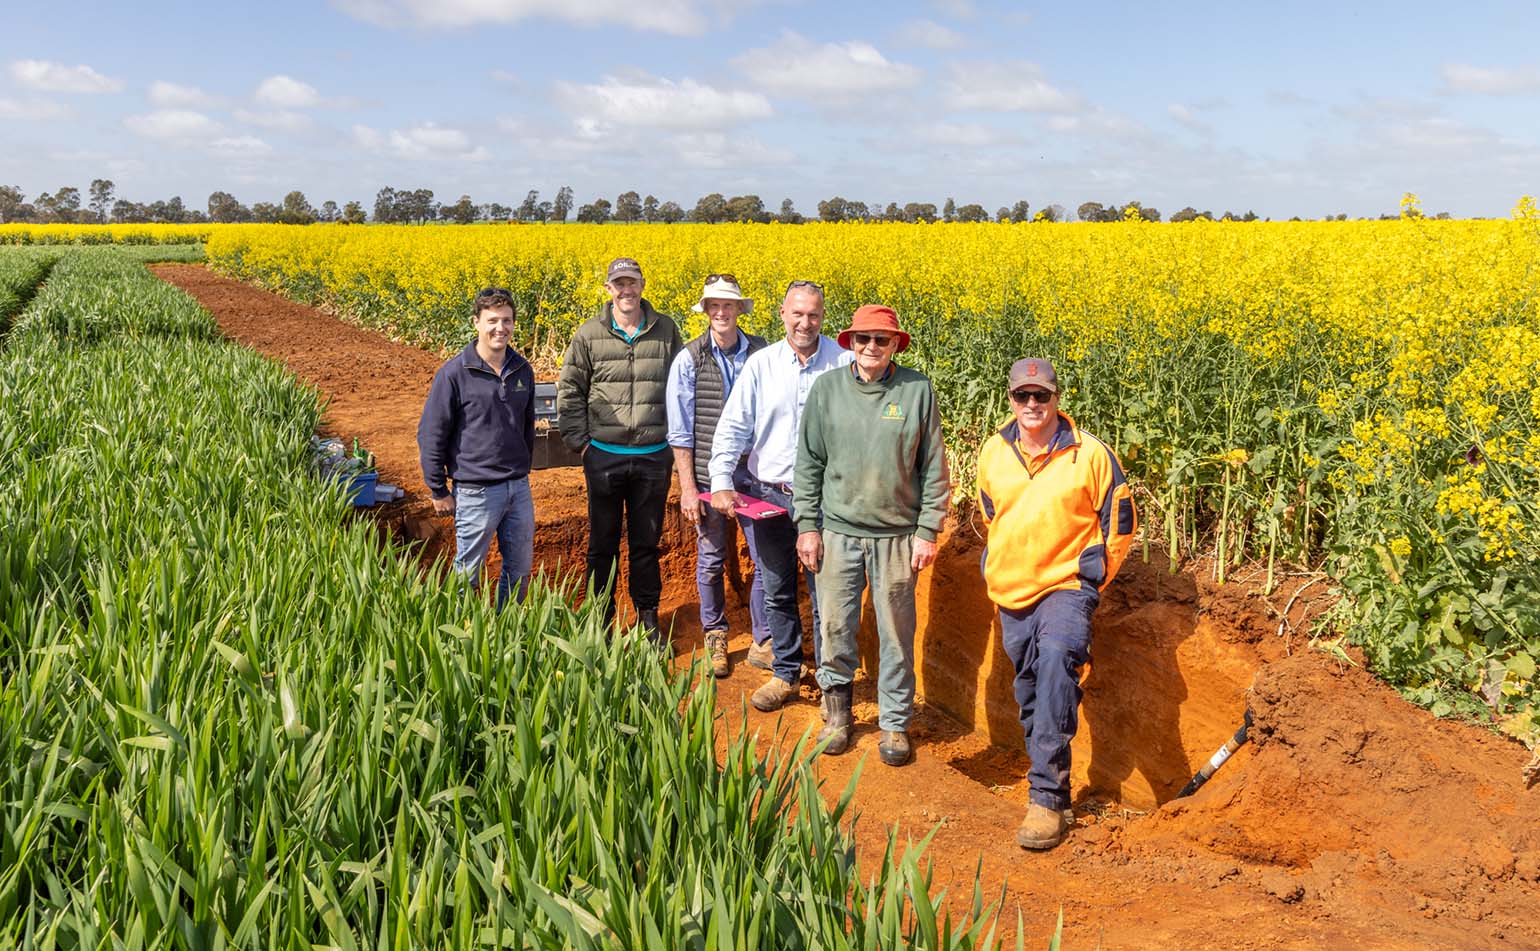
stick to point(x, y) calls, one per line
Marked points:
point(838, 726)
point(648, 618)
point(894, 747)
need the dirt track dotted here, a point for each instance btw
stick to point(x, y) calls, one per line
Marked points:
point(1354, 819)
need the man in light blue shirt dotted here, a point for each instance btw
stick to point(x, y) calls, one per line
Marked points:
point(761, 417)
point(699, 382)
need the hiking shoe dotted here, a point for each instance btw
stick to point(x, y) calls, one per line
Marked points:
point(838, 725)
point(773, 694)
point(716, 650)
point(894, 748)
point(762, 656)
point(1041, 828)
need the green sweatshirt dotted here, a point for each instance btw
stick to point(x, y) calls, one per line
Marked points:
point(870, 458)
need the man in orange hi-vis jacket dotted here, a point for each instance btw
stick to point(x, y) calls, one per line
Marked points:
point(1061, 520)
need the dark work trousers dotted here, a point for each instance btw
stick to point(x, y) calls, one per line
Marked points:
point(633, 488)
point(775, 542)
point(1048, 643)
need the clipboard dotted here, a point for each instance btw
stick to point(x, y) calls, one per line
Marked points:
point(757, 509)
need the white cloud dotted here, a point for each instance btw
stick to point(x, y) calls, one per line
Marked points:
point(367, 137)
point(825, 72)
point(240, 146)
point(56, 77)
point(962, 9)
point(1437, 134)
point(1459, 77)
point(1016, 86)
point(929, 34)
point(432, 141)
point(31, 109)
point(677, 17)
point(285, 92)
point(173, 124)
point(1099, 122)
point(285, 120)
point(973, 135)
point(721, 150)
point(1186, 117)
point(660, 103)
point(174, 95)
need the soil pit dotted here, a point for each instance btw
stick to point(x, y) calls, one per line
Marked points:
point(1351, 819)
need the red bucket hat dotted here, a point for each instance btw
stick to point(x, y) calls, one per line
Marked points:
point(874, 318)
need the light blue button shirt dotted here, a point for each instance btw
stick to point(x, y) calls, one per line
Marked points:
point(680, 395)
point(764, 410)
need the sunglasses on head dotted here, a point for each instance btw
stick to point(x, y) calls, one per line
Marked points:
point(861, 340)
point(1025, 396)
point(713, 278)
point(796, 284)
point(489, 291)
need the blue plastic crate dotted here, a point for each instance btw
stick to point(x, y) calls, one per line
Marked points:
point(360, 487)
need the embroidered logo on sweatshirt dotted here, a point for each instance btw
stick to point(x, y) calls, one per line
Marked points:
point(893, 411)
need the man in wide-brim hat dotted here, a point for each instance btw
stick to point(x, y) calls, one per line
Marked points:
point(871, 464)
point(699, 382)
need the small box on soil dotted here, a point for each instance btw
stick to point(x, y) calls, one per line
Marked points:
point(360, 487)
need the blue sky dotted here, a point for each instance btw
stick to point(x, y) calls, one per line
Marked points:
point(1298, 108)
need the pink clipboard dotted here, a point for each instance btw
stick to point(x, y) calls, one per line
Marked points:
point(750, 507)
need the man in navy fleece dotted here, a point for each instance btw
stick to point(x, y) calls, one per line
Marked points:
point(478, 429)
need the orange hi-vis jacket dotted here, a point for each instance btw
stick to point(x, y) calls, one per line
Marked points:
point(1057, 522)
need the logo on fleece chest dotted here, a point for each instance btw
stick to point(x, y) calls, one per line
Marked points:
point(892, 411)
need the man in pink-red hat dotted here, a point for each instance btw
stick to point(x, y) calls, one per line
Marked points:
point(872, 466)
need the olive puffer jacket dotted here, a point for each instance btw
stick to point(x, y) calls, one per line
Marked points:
point(613, 391)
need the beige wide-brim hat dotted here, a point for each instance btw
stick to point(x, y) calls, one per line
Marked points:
point(723, 290)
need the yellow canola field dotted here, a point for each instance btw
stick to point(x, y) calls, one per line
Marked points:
point(1362, 395)
point(106, 234)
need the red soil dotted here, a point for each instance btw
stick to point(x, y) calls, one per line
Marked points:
point(1352, 819)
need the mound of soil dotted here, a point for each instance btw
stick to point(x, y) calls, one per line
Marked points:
point(1348, 792)
point(1352, 819)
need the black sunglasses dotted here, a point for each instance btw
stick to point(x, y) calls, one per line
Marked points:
point(1025, 396)
point(861, 340)
point(489, 291)
point(796, 284)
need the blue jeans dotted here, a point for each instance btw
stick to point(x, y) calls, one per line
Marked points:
point(1048, 643)
point(504, 509)
point(849, 563)
point(776, 541)
point(713, 537)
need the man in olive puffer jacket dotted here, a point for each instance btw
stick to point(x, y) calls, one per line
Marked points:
point(611, 408)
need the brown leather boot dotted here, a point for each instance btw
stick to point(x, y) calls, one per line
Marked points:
point(762, 656)
point(716, 650)
point(773, 694)
point(1041, 828)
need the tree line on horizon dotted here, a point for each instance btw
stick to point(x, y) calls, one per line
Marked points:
point(419, 206)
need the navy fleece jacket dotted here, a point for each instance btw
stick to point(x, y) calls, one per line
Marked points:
point(478, 425)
